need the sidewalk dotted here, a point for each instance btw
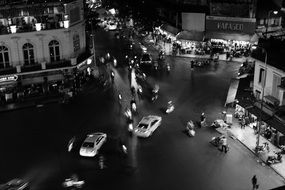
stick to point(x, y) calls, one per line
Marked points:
point(248, 138)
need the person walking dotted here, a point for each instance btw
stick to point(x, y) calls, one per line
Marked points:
point(203, 120)
point(254, 183)
point(223, 142)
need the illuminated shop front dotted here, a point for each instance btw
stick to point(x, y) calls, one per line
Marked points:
point(230, 33)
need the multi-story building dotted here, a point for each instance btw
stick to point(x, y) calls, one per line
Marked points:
point(269, 19)
point(268, 90)
point(231, 20)
point(41, 44)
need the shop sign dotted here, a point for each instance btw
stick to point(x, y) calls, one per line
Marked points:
point(8, 78)
point(81, 64)
point(229, 24)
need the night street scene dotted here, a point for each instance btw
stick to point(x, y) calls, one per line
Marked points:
point(142, 94)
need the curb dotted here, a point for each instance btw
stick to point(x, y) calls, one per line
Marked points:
point(235, 138)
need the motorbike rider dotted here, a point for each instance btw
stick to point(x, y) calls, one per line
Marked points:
point(203, 120)
point(112, 75)
point(133, 105)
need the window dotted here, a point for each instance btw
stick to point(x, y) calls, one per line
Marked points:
point(28, 50)
point(154, 122)
point(4, 57)
point(54, 51)
point(257, 94)
point(261, 76)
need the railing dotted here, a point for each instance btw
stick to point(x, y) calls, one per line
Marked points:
point(7, 71)
point(31, 27)
point(29, 68)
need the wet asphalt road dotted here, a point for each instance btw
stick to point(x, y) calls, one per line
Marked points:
point(34, 141)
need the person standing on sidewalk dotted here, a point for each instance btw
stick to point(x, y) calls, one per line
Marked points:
point(223, 142)
point(254, 183)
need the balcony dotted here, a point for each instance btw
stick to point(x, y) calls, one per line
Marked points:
point(30, 23)
point(30, 68)
point(7, 71)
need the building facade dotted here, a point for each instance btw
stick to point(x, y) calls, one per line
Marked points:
point(42, 47)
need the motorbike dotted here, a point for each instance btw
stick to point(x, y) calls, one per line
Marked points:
point(128, 114)
point(112, 75)
point(191, 132)
point(190, 129)
point(134, 107)
point(130, 127)
point(262, 148)
point(154, 96)
point(277, 158)
point(140, 91)
point(115, 62)
point(170, 107)
point(168, 68)
point(73, 182)
point(216, 141)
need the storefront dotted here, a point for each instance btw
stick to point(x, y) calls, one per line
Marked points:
point(230, 33)
point(8, 86)
point(169, 32)
point(249, 114)
point(190, 41)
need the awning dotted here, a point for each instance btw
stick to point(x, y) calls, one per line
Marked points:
point(170, 29)
point(244, 93)
point(258, 113)
point(190, 35)
point(229, 36)
point(232, 91)
point(276, 124)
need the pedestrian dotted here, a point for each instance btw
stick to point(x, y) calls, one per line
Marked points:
point(254, 183)
point(242, 123)
point(223, 142)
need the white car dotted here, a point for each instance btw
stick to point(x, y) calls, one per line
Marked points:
point(147, 125)
point(92, 144)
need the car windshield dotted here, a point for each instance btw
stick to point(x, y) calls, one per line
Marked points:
point(145, 57)
point(143, 126)
point(88, 144)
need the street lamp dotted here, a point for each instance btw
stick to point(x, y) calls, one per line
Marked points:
point(268, 16)
point(262, 96)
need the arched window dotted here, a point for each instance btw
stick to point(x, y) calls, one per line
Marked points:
point(54, 51)
point(4, 57)
point(29, 57)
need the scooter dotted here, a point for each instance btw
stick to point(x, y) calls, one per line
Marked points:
point(130, 127)
point(277, 158)
point(190, 129)
point(216, 141)
point(262, 148)
point(134, 107)
point(115, 62)
point(191, 132)
point(73, 182)
point(170, 107)
point(168, 68)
